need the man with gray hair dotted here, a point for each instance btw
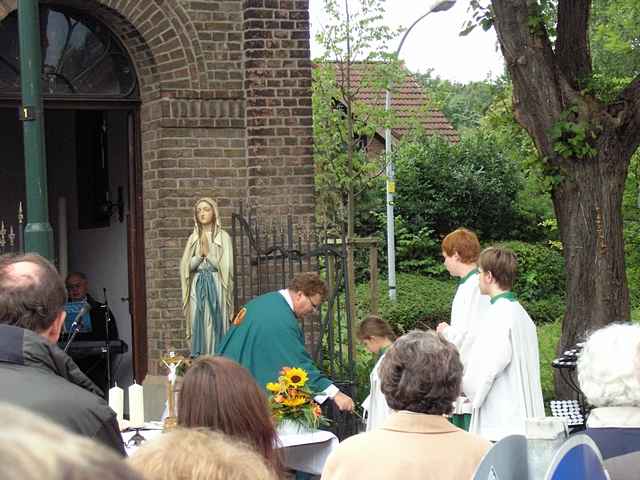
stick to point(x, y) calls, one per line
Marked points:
point(34, 372)
point(421, 375)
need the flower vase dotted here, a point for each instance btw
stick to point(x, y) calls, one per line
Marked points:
point(291, 427)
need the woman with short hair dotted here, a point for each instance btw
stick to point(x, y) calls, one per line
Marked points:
point(608, 373)
point(421, 375)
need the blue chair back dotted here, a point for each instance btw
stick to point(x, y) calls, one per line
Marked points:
point(577, 458)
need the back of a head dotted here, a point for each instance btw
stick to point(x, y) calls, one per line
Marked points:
point(219, 394)
point(199, 454)
point(32, 292)
point(463, 242)
point(374, 326)
point(310, 284)
point(34, 448)
point(421, 372)
point(502, 263)
point(608, 369)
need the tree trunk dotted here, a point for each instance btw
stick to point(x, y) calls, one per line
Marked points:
point(548, 95)
point(588, 208)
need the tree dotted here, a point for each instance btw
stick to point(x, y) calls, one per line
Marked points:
point(463, 104)
point(585, 137)
point(353, 39)
point(343, 124)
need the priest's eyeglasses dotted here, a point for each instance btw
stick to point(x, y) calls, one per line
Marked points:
point(313, 305)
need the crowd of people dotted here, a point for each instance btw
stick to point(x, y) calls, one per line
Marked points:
point(438, 399)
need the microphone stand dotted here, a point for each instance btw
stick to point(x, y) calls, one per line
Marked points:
point(107, 342)
point(78, 325)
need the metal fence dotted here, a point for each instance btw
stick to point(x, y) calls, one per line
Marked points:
point(12, 233)
point(267, 255)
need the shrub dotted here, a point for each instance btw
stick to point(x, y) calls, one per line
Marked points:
point(422, 302)
point(444, 186)
point(544, 310)
point(541, 276)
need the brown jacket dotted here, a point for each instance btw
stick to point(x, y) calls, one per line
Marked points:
point(408, 446)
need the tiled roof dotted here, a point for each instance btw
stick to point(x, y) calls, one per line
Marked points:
point(409, 102)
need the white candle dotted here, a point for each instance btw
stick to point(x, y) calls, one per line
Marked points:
point(116, 401)
point(136, 405)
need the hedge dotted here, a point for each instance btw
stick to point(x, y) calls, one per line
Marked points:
point(422, 302)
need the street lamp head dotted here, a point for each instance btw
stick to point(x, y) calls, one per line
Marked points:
point(443, 5)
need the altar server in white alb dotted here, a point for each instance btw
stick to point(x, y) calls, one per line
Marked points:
point(377, 336)
point(460, 250)
point(502, 378)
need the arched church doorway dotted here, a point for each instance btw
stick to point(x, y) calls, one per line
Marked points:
point(91, 104)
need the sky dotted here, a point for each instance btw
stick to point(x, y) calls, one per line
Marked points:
point(434, 42)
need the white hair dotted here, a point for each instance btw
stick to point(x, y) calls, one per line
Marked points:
point(608, 366)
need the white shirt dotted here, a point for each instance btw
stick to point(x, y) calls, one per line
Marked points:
point(502, 378)
point(375, 404)
point(468, 308)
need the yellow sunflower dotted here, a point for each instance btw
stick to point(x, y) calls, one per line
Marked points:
point(273, 387)
point(294, 401)
point(297, 377)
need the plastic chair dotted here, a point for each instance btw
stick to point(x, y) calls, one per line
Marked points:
point(578, 458)
point(507, 460)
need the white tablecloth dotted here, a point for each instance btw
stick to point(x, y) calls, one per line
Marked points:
point(306, 452)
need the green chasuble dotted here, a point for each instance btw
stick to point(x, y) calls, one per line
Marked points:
point(268, 339)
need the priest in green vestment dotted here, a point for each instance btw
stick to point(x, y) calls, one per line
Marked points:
point(266, 336)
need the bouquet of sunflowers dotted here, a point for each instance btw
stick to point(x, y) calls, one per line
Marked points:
point(291, 400)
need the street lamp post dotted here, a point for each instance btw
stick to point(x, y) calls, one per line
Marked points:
point(437, 6)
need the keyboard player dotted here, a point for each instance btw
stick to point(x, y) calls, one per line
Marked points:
point(93, 329)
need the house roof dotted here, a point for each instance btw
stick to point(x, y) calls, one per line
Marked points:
point(409, 101)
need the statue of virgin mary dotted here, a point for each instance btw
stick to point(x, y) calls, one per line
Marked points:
point(206, 278)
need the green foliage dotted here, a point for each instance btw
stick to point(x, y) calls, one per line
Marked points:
point(444, 186)
point(540, 271)
point(464, 105)
point(548, 338)
point(546, 309)
point(416, 252)
point(422, 302)
point(631, 215)
point(338, 169)
point(571, 136)
point(354, 32)
point(615, 37)
point(632, 259)
point(482, 16)
point(365, 361)
point(540, 284)
point(343, 124)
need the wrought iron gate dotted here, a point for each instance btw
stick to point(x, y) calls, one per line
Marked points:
point(266, 257)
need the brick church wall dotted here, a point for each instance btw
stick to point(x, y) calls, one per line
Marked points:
point(225, 91)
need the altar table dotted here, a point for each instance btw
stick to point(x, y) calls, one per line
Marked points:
point(305, 452)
